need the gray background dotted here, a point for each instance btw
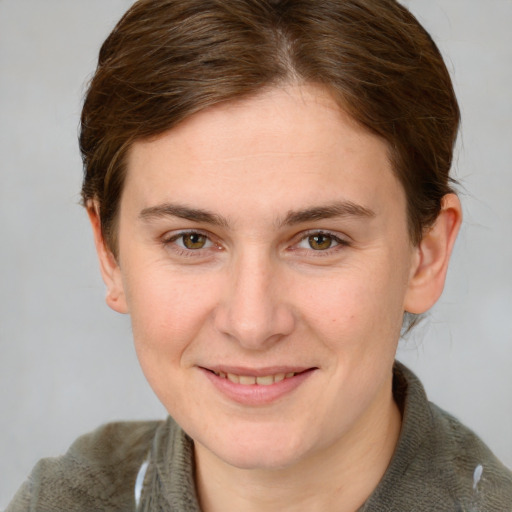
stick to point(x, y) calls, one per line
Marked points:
point(66, 361)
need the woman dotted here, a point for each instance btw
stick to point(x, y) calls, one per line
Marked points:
point(268, 186)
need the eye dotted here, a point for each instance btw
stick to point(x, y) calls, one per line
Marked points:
point(189, 241)
point(319, 242)
point(193, 240)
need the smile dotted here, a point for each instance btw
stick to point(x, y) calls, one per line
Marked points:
point(257, 387)
point(251, 380)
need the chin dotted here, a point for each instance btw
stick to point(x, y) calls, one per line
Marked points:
point(259, 450)
point(259, 460)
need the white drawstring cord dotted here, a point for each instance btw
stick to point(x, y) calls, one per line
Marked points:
point(139, 482)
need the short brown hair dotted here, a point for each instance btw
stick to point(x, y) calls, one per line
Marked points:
point(167, 59)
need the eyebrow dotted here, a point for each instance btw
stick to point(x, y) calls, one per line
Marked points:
point(338, 209)
point(183, 212)
point(315, 213)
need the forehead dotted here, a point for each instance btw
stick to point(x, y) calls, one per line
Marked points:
point(282, 147)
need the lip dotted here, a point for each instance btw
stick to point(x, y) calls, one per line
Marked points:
point(255, 394)
point(257, 372)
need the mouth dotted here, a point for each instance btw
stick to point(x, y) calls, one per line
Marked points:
point(255, 380)
point(257, 387)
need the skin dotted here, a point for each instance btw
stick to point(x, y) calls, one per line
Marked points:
point(252, 289)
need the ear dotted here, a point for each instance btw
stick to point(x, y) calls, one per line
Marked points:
point(431, 257)
point(109, 267)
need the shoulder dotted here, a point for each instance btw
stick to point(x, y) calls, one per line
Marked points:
point(472, 471)
point(98, 471)
point(439, 464)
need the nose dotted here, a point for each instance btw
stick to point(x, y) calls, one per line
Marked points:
point(253, 310)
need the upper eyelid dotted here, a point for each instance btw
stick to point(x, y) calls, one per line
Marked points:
point(175, 234)
point(344, 239)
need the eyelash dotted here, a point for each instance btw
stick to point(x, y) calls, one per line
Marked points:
point(170, 242)
point(340, 243)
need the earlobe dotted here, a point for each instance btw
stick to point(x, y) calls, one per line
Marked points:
point(431, 258)
point(109, 267)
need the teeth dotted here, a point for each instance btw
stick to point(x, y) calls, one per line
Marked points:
point(250, 380)
point(247, 380)
point(233, 378)
point(265, 381)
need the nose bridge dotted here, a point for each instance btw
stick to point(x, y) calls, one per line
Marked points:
point(253, 310)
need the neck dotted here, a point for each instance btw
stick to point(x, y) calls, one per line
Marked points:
point(338, 478)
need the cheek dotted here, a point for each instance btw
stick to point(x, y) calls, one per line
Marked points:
point(357, 304)
point(167, 312)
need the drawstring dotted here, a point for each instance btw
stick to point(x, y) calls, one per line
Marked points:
point(139, 482)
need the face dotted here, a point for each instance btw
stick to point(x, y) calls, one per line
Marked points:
point(265, 262)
